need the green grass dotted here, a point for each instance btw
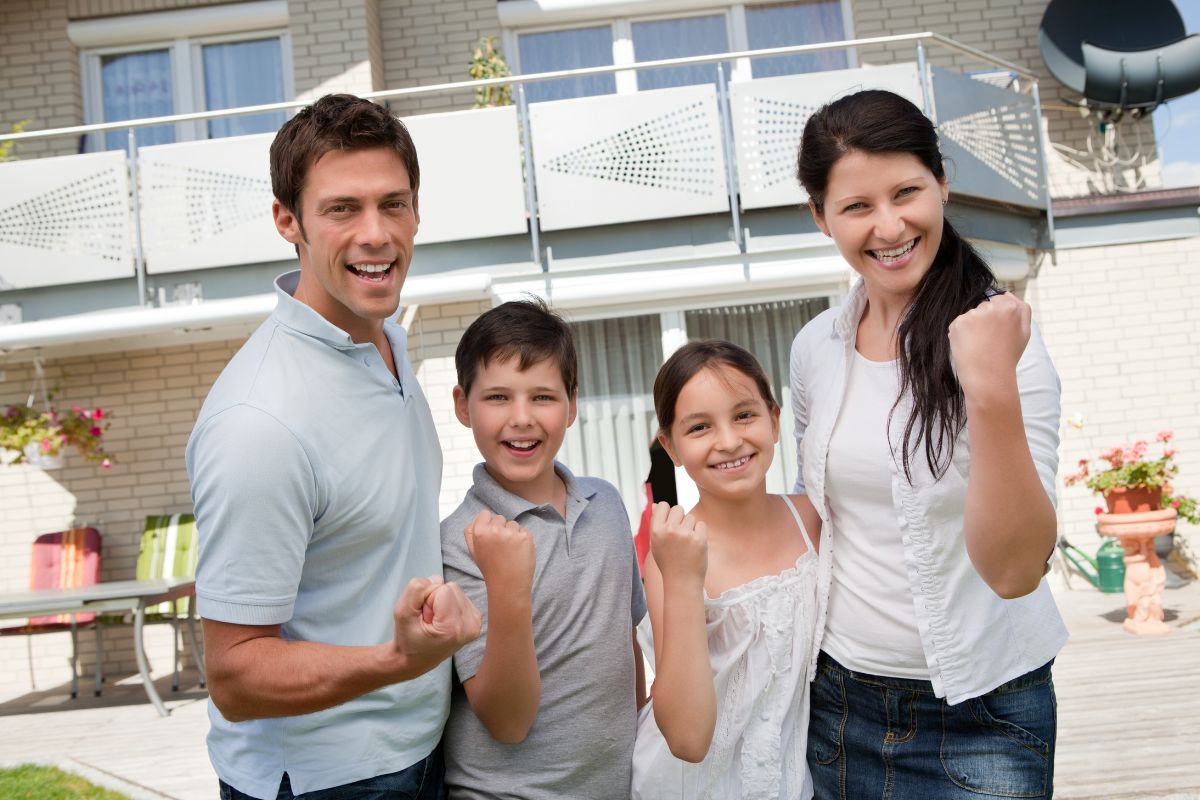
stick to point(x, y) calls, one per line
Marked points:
point(31, 782)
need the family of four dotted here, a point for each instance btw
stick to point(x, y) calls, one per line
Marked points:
point(883, 632)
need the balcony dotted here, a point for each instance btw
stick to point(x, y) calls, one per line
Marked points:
point(577, 193)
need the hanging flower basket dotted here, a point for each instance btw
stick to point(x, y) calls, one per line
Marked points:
point(39, 437)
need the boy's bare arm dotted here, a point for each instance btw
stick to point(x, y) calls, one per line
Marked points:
point(254, 673)
point(506, 689)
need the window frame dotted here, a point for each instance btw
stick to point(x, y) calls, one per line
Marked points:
point(187, 76)
point(736, 32)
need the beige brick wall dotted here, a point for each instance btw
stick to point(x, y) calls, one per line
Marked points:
point(430, 43)
point(332, 46)
point(433, 336)
point(39, 74)
point(1009, 29)
point(1118, 322)
point(154, 396)
point(83, 9)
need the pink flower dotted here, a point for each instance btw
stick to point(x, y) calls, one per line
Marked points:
point(98, 413)
point(1169, 452)
point(1174, 504)
point(106, 463)
point(1099, 510)
point(47, 446)
point(1165, 436)
point(95, 431)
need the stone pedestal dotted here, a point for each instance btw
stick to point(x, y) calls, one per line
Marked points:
point(1145, 575)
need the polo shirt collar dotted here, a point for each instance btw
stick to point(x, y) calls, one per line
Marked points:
point(510, 506)
point(304, 318)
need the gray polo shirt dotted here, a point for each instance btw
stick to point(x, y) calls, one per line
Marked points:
point(315, 476)
point(587, 598)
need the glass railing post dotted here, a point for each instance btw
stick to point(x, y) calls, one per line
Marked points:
point(1045, 161)
point(139, 254)
point(923, 76)
point(724, 108)
point(530, 177)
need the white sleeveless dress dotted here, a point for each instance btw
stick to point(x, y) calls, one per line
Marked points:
point(760, 637)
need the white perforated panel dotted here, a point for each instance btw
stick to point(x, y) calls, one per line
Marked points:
point(769, 116)
point(208, 204)
point(623, 158)
point(64, 220)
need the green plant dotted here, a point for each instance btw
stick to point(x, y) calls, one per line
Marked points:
point(51, 430)
point(488, 62)
point(1130, 468)
point(6, 148)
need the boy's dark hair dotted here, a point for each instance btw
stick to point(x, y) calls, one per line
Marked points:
point(695, 356)
point(527, 329)
point(334, 122)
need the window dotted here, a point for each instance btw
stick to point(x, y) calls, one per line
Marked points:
point(629, 40)
point(618, 361)
point(678, 38)
point(569, 49)
point(138, 66)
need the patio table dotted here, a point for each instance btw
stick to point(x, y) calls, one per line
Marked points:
point(135, 596)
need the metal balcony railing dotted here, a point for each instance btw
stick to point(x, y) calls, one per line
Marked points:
point(523, 170)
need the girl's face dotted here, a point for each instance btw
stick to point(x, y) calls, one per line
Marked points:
point(884, 213)
point(724, 434)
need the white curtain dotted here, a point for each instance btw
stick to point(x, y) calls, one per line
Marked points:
point(679, 38)
point(804, 22)
point(137, 85)
point(767, 331)
point(618, 359)
point(243, 74)
point(569, 49)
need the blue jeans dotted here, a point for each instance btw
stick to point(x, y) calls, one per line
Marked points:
point(877, 738)
point(422, 781)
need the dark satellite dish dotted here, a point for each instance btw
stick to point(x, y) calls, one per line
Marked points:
point(1120, 55)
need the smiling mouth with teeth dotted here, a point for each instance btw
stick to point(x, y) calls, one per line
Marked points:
point(522, 446)
point(888, 256)
point(737, 462)
point(371, 272)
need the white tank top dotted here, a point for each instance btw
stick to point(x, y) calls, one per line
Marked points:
point(872, 624)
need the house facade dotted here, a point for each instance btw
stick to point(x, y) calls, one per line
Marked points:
point(649, 205)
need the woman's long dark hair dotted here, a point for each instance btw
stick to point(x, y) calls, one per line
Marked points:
point(878, 122)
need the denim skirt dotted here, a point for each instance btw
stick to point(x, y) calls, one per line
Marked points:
point(879, 738)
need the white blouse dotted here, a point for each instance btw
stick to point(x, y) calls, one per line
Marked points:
point(973, 639)
point(760, 639)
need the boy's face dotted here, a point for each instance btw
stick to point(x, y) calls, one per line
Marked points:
point(518, 419)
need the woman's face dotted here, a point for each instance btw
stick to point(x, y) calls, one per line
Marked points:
point(884, 213)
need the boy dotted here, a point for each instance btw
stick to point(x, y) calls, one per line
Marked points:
point(546, 700)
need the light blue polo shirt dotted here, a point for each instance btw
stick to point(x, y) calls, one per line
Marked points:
point(315, 477)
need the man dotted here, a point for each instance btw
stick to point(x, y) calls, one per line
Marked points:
point(315, 471)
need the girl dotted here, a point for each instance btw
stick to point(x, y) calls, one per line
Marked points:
point(927, 414)
point(730, 588)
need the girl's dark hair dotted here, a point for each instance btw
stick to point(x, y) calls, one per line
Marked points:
point(688, 360)
point(878, 122)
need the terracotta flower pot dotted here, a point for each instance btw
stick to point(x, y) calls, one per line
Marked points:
point(1133, 500)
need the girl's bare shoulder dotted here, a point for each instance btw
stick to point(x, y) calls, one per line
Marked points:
point(808, 513)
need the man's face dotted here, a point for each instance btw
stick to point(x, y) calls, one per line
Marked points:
point(358, 216)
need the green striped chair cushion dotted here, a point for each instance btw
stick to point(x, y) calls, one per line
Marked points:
point(169, 550)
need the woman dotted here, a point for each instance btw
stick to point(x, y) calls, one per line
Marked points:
point(927, 414)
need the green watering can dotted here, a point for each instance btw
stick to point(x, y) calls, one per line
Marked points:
point(1107, 571)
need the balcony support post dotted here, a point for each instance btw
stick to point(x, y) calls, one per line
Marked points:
point(723, 106)
point(1045, 163)
point(139, 253)
point(923, 76)
point(530, 177)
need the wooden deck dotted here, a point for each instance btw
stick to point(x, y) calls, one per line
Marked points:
point(1129, 716)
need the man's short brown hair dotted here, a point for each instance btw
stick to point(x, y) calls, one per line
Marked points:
point(334, 122)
